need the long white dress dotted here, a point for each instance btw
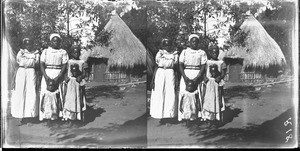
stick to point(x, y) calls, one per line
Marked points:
point(53, 59)
point(72, 109)
point(192, 60)
point(211, 107)
point(24, 99)
point(163, 102)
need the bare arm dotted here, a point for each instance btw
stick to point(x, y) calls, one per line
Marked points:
point(222, 76)
point(61, 73)
point(43, 67)
point(200, 74)
point(181, 70)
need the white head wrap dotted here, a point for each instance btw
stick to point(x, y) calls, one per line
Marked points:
point(193, 36)
point(54, 35)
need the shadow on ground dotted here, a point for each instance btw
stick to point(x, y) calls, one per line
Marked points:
point(108, 91)
point(133, 133)
point(241, 91)
point(92, 111)
point(271, 133)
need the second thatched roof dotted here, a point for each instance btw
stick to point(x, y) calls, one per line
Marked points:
point(260, 48)
point(124, 49)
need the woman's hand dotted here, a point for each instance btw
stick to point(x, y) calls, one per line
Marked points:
point(218, 79)
point(195, 80)
point(67, 79)
point(56, 79)
point(47, 79)
point(205, 79)
point(79, 79)
point(185, 78)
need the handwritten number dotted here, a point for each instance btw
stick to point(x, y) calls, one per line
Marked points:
point(288, 131)
point(287, 122)
point(288, 138)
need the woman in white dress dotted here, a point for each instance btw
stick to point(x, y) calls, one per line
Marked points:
point(163, 102)
point(24, 102)
point(192, 62)
point(53, 63)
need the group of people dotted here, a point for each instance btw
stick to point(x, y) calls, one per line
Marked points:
point(61, 93)
point(200, 94)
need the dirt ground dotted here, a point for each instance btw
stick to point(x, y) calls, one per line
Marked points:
point(254, 118)
point(115, 117)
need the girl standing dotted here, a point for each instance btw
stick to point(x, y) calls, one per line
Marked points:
point(191, 66)
point(189, 102)
point(163, 103)
point(75, 102)
point(53, 66)
point(24, 100)
point(214, 96)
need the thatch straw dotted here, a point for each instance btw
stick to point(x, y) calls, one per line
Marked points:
point(260, 49)
point(125, 49)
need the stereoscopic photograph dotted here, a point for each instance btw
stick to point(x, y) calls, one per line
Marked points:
point(149, 74)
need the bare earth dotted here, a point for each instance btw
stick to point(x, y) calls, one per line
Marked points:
point(115, 117)
point(253, 119)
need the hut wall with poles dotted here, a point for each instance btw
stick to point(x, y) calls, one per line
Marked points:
point(125, 57)
point(259, 57)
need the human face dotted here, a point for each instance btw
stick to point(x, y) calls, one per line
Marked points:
point(27, 44)
point(55, 42)
point(190, 86)
point(214, 72)
point(214, 54)
point(76, 53)
point(167, 45)
point(194, 43)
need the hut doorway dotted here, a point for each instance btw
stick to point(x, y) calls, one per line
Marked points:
point(234, 69)
point(99, 67)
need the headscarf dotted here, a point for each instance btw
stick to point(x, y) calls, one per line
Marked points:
point(54, 35)
point(193, 36)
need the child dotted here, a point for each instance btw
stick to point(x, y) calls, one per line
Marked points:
point(189, 102)
point(51, 103)
point(214, 96)
point(73, 100)
point(75, 87)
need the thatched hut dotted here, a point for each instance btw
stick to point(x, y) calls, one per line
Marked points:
point(260, 55)
point(124, 56)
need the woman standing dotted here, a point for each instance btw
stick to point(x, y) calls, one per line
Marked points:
point(192, 62)
point(53, 66)
point(24, 100)
point(163, 103)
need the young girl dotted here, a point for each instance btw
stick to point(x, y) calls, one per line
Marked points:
point(51, 103)
point(189, 102)
point(73, 99)
point(214, 96)
point(163, 103)
point(74, 93)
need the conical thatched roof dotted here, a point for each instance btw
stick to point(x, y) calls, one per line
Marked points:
point(125, 49)
point(260, 48)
